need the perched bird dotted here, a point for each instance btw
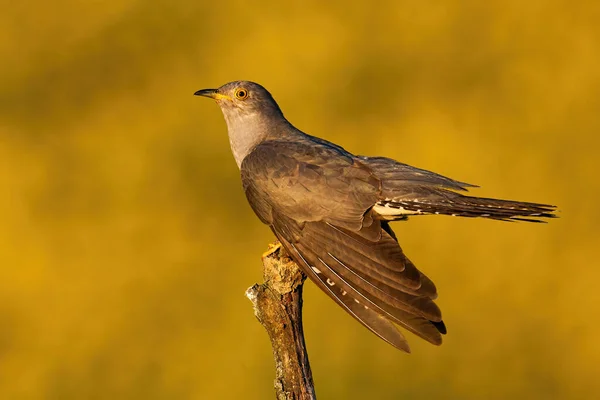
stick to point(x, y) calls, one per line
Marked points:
point(331, 210)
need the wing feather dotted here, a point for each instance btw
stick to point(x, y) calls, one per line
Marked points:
point(372, 320)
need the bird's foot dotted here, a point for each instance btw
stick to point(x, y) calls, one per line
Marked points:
point(273, 247)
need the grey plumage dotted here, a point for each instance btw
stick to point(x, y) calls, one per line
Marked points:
point(331, 210)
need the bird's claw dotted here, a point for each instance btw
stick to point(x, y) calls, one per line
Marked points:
point(273, 247)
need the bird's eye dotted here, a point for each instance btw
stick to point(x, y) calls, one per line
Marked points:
point(241, 94)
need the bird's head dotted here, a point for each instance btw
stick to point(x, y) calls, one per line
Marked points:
point(241, 100)
point(251, 115)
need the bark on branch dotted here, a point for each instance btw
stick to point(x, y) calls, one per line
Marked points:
point(278, 307)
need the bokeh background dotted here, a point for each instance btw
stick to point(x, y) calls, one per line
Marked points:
point(126, 243)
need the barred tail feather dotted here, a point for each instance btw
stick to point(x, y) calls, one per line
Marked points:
point(445, 202)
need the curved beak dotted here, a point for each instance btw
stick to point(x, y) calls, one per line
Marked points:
point(212, 93)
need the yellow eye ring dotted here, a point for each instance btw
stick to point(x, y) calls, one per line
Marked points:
point(241, 94)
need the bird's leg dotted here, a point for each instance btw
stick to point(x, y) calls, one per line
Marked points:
point(273, 247)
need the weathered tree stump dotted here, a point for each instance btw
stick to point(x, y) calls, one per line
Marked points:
point(278, 307)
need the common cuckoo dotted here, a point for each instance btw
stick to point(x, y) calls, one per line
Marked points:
point(331, 211)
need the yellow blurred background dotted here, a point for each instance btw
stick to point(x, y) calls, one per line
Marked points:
point(127, 244)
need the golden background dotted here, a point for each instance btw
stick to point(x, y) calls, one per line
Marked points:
point(127, 244)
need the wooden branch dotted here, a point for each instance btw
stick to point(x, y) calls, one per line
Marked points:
point(278, 307)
